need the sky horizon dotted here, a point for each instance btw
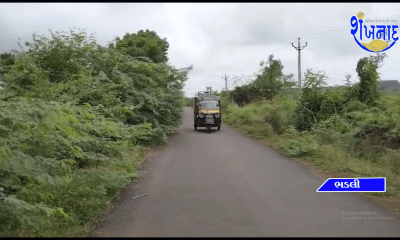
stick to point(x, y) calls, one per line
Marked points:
point(217, 38)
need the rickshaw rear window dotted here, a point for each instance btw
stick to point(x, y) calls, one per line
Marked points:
point(209, 105)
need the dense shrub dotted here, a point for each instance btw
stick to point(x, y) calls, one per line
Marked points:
point(71, 109)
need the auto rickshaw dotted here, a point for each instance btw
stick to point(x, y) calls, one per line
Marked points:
point(207, 111)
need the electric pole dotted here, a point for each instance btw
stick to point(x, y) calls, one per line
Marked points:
point(299, 49)
point(226, 82)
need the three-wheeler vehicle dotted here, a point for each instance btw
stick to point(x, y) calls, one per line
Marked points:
point(207, 111)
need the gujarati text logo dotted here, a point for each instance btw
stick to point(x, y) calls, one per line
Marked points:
point(367, 39)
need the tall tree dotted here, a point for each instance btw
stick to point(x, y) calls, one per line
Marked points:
point(144, 44)
point(367, 70)
point(270, 80)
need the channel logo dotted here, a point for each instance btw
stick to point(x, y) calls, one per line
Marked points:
point(377, 37)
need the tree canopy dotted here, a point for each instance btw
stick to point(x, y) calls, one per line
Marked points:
point(144, 44)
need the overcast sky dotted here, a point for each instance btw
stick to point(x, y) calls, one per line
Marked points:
point(217, 38)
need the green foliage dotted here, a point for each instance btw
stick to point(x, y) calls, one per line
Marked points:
point(243, 95)
point(300, 147)
point(6, 62)
point(348, 129)
point(268, 116)
point(394, 160)
point(353, 106)
point(274, 117)
point(367, 72)
point(279, 113)
point(71, 109)
point(270, 80)
point(311, 102)
point(144, 44)
point(268, 83)
point(225, 100)
point(189, 102)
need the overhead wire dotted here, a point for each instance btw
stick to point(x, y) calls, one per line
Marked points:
point(339, 34)
point(332, 32)
point(327, 35)
point(331, 37)
point(324, 33)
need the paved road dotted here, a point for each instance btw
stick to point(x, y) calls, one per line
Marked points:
point(226, 184)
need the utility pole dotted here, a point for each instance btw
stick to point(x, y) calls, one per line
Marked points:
point(226, 82)
point(299, 49)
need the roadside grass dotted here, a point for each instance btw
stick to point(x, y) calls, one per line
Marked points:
point(91, 194)
point(87, 196)
point(391, 100)
point(269, 121)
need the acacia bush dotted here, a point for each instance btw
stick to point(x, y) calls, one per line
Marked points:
point(71, 110)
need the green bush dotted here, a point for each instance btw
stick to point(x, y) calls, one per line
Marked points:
point(275, 119)
point(354, 105)
point(334, 158)
point(394, 161)
point(327, 135)
point(278, 112)
point(71, 110)
point(335, 123)
point(300, 147)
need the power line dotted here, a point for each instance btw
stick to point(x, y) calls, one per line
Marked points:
point(329, 37)
point(327, 34)
point(341, 35)
point(323, 33)
point(332, 32)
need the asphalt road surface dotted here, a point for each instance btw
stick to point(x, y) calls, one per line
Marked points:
point(229, 185)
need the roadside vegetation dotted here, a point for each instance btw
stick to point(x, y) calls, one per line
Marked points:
point(76, 120)
point(353, 129)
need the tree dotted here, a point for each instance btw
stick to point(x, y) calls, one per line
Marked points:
point(243, 95)
point(347, 81)
point(289, 81)
point(367, 70)
point(312, 99)
point(271, 78)
point(144, 44)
